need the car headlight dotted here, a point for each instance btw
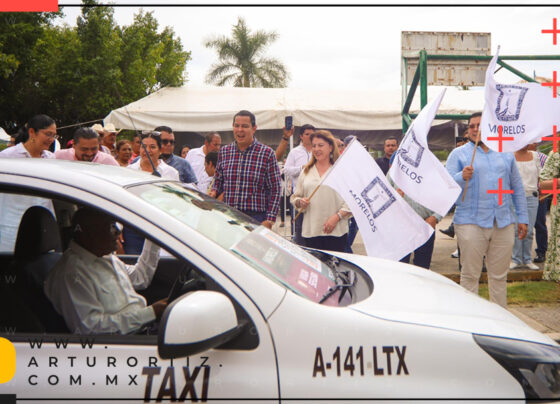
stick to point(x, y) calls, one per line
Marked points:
point(535, 366)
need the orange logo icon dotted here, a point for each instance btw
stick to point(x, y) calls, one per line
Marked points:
point(7, 360)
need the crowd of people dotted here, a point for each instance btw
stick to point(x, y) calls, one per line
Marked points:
point(246, 175)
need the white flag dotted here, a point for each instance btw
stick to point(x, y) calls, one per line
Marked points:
point(418, 172)
point(526, 112)
point(389, 226)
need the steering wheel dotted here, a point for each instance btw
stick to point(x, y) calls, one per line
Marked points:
point(183, 284)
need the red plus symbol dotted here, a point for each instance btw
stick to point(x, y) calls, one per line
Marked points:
point(500, 191)
point(554, 138)
point(554, 191)
point(554, 84)
point(500, 139)
point(554, 31)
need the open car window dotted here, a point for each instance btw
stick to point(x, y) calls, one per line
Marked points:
point(31, 313)
point(285, 263)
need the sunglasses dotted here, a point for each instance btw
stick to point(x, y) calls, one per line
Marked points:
point(167, 141)
point(116, 228)
point(150, 133)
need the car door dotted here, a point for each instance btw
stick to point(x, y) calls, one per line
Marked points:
point(58, 365)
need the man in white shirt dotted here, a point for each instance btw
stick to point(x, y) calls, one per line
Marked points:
point(195, 157)
point(93, 289)
point(297, 158)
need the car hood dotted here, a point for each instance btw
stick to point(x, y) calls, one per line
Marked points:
point(410, 294)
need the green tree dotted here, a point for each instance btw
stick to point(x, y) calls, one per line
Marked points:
point(78, 74)
point(241, 61)
point(57, 76)
point(19, 32)
point(150, 60)
point(100, 54)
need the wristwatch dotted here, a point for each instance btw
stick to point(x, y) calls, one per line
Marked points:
point(339, 215)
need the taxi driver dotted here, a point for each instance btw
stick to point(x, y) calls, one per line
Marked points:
point(93, 289)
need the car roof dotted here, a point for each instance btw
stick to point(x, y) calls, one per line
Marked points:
point(75, 172)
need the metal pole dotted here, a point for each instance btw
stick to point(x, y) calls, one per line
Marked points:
point(413, 86)
point(423, 65)
point(412, 91)
point(517, 72)
point(449, 117)
point(482, 58)
point(404, 87)
point(456, 131)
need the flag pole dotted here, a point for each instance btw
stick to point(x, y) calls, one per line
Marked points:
point(310, 196)
point(472, 161)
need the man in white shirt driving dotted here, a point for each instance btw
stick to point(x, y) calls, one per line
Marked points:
point(93, 289)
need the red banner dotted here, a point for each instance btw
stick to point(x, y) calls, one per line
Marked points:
point(28, 5)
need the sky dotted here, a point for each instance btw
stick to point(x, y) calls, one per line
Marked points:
point(326, 47)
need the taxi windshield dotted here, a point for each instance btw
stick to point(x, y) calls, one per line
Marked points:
point(271, 254)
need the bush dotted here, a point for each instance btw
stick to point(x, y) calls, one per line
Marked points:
point(441, 154)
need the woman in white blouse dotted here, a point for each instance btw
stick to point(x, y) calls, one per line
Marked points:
point(324, 222)
point(132, 241)
point(152, 141)
point(32, 141)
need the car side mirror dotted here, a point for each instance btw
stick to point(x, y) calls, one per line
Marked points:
point(196, 322)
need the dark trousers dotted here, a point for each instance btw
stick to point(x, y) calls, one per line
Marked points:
point(258, 216)
point(352, 231)
point(329, 243)
point(423, 254)
point(541, 232)
point(285, 206)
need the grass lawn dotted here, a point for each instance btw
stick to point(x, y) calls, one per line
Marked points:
point(529, 293)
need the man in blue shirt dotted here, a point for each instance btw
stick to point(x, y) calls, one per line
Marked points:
point(186, 173)
point(483, 226)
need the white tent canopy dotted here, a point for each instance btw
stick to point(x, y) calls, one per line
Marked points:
point(191, 109)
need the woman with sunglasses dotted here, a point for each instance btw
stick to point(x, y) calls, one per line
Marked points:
point(32, 141)
point(132, 241)
point(152, 143)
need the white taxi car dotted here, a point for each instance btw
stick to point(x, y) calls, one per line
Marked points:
point(266, 319)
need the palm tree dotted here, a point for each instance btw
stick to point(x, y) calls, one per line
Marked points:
point(241, 61)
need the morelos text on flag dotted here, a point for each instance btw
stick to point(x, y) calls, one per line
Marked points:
point(418, 172)
point(527, 112)
point(388, 225)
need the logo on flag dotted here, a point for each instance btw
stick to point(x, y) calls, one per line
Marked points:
point(509, 102)
point(378, 197)
point(411, 150)
point(379, 211)
point(526, 112)
point(418, 172)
